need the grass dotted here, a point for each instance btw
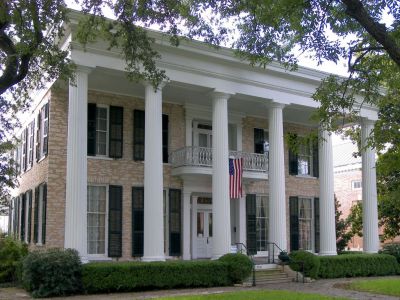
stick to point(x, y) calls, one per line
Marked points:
point(257, 295)
point(389, 287)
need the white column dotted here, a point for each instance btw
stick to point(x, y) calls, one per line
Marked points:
point(76, 181)
point(153, 249)
point(220, 177)
point(326, 195)
point(369, 194)
point(241, 220)
point(194, 227)
point(276, 177)
point(186, 225)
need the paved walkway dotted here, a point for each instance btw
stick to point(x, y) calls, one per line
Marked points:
point(332, 287)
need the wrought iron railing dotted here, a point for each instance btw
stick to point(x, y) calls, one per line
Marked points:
point(202, 157)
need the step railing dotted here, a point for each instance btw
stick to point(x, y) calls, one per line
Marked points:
point(243, 247)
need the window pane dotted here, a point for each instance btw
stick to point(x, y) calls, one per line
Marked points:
point(200, 224)
point(305, 221)
point(262, 223)
point(96, 219)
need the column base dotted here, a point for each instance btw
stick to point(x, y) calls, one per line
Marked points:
point(153, 258)
point(328, 253)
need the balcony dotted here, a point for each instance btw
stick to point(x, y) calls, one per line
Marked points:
point(198, 160)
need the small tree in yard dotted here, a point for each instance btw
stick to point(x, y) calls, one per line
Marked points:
point(343, 232)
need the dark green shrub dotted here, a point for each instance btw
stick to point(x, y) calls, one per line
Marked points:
point(54, 272)
point(11, 254)
point(350, 252)
point(239, 266)
point(392, 249)
point(357, 265)
point(309, 261)
point(133, 276)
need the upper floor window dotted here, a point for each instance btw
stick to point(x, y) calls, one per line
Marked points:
point(42, 132)
point(261, 141)
point(356, 184)
point(304, 161)
point(105, 130)
point(139, 134)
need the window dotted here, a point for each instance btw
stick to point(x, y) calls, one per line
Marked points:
point(139, 135)
point(356, 184)
point(42, 131)
point(96, 219)
point(39, 222)
point(30, 140)
point(262, 222)
point(105, 130)
point(261, 141)
point(304, 161)
point(27, 216)
point(24, 150)
point(174, 224)
point(305, 222)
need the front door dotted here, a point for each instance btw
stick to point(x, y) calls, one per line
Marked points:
point(204, 233)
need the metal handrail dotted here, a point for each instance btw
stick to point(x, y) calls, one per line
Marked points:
point(252, 261)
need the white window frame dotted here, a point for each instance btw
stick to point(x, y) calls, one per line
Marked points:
point(40, 215)
point(356, 182)
point(312, 234)
point(105, 254)
point(26, 229)
point(311, 164)
point(43, 134)
point(197, 131)
point(30, 145)
point(258, 198)
point(24, 157)
point(107, 107)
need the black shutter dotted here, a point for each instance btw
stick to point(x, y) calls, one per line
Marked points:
point(46, 129)
point(165, 125)
point(116, 131)
point(316, 225)
point(23, 199)
point(251, 224)
point(175, 226)
point(138, 134)
point(293, 163)
point(115, 221)
point(38, 135)
point(315, 158)
point(294, 223)
point(137, 220)
point(259, 140)
point(44, 210)
point(28, 233)
point(36, 216)
point(91, 135)
point(17, 217)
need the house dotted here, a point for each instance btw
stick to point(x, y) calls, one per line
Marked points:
point(120, 170)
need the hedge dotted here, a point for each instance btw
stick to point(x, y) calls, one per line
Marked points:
point(392, 249)
point(11, 254)
point(357, 265)
point(54, 272)
point(239, 266)
point(309, 260)
point(133, 276)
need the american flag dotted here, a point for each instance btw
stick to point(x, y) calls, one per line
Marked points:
point(235, 177)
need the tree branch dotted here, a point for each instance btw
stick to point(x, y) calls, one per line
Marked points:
point(356, 10)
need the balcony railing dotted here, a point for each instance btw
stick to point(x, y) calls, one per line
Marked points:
point(202, 157)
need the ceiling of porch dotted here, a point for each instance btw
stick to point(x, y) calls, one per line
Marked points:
point(111, 81)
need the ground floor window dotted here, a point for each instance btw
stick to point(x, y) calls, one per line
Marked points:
point(304, 223)
point(96, 219)
point(262, 222)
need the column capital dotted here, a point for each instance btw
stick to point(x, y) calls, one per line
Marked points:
point(219, 95)
point(83, 69)
point(275, 104)
point(367, 122)
point(148, 83)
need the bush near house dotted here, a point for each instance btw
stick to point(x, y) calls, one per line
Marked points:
point(11, 254)
point(357, 265)
point(310, 262)
point(239, 266)
point(392, 249)
point(132, 276)
point(54, 272)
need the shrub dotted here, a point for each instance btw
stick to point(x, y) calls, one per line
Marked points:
point(392, 249)
point(309, 260)
point(239, 266)
point(132, 276)
point(357, 265)
point(11, 254)
point(54, 272)
point(350, 252)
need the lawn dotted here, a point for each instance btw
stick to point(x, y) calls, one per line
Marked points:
point(257, 295)
point(389, 287)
